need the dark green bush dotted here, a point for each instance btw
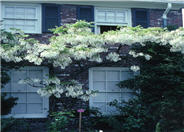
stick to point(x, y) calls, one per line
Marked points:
point(161, 96)
point(60, 120)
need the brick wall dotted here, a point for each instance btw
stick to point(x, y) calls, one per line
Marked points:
point(174, 18)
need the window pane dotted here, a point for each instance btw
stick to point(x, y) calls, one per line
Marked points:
point(20, 12)
point(113, 75)
point(34, 108)
point(19, 109)
point(19, 22)
point(9, 23)
point(101, 16)
point(120, 17)
point(100, 86)
point(100, 97)
point(101, 106)
point(9, 12)
point(110, 16)
point(126, 96)
point(6, 88)
point(30, 13)
point(21, 97)
point(112, 96)
point(126, 75)
point(18, 87)
point(99, 75)
point(112, 87)
point(108, 28)
point(18, 75)
point(35, 74)
point(34, 98)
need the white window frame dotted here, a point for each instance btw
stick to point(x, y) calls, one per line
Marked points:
point(121, 69)
point(38, 18)
point(45, 99)
point(98, 24)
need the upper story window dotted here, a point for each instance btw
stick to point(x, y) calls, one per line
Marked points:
point(26, 17)
point(140, 17)
point(109, 18)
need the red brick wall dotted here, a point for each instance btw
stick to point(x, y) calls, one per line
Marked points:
point(174, 18)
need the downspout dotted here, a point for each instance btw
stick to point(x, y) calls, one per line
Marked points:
point(164, 16)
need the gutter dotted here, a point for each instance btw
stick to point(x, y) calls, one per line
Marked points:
point(164, 16)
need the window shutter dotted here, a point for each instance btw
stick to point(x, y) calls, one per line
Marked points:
point(51, 16)
point(140, 17)
point(85, 13)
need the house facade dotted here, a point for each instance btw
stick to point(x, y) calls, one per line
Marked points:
point(37, 17)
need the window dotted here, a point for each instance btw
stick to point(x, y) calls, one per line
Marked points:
point(51, 16)
point(111, 17)
point(29, 103)
point(140, 17)
point(104, 80)
point(26, 17)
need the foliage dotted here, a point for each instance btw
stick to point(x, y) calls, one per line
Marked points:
point(161, 88)
point(11, 124)
point(7, 104)
point(76, 42)
point(6, 124)
point(53, 85)
point(160, 52)
point(132, 117)
point(60, 121)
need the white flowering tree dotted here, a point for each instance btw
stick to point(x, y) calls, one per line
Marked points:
point(76, 42)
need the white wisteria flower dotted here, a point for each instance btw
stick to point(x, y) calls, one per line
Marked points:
point(135, 68)
point(147, 57)
point(113, 57)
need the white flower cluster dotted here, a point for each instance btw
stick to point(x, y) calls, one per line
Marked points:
point(73, 89)
point(135, 68)
point(113, 57)
point(81, 43)
point(134, 54)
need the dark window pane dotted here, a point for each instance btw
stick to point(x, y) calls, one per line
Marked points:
point(108, 28)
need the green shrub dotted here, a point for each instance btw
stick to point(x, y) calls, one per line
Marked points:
point(161, 86)
point(60, 120)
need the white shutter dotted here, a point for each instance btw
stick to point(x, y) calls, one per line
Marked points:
point(29, 103)
point(26, 17)
point(105, 80)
